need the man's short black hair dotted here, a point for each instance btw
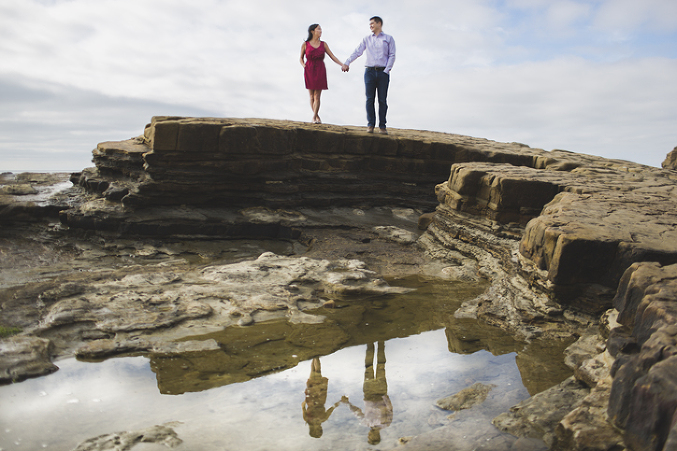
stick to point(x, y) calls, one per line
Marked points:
point(377, 19)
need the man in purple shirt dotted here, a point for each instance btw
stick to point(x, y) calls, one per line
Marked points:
point(380, 49)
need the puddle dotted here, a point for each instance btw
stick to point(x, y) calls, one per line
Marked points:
point(84, 400)
point(365, 377)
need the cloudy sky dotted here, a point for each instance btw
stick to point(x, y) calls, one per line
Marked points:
point(595, 77)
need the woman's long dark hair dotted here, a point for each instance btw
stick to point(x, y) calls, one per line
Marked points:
point(310, 31)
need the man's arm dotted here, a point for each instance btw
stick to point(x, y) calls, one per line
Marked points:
point(391, 56)
point(359, 50)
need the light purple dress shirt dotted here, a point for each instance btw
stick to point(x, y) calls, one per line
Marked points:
point(380, 51)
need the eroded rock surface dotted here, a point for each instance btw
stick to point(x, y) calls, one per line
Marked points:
point(644, 394)
point(146, 310)
point(24, 356)
point(670, 161)
point(29, 196)
point(559, 238)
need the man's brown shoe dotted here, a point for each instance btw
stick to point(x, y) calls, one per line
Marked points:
point(370, 129)
point(383, 131)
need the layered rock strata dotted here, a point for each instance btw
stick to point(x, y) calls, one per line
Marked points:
point(670, 161)
point(587, 219)
point(29, 197)
point(554, 232)
point(201, 164)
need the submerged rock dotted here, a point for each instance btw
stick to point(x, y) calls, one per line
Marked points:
point(466, 398)
point(124, 441)
point(538, 416)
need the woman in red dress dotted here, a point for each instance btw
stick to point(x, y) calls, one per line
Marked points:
point(315, 72)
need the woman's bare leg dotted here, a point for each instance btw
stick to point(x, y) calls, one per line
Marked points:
point(315, 103)
point(312, 101)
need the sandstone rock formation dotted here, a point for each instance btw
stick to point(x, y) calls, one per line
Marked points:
point(31, 196)
point(561, 238)
point(670, 161)
point(24, 356)
point(643, 400)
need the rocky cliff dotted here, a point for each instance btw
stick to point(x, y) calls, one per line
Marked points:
point(568, 242)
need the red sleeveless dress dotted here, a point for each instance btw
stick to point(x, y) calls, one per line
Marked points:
point(315, 72)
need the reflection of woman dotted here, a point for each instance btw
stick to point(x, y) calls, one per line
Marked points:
point(315, 72)
point(316, 395)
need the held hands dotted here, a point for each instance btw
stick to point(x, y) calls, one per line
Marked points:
point(345, 68)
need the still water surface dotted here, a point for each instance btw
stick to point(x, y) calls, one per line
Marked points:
point(363, 388)
point(83, 400)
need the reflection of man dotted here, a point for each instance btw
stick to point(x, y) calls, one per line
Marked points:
point(378, 410)
point(316, 395)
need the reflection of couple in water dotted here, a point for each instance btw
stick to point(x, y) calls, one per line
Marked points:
point(378, 410)
point(316, 395)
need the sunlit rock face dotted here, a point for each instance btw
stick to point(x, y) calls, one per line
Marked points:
point(670, 161)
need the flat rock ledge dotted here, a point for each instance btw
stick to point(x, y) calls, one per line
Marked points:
point(572, 245)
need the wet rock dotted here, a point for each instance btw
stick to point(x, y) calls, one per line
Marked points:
point(587, 427)
point(594, 371)
point(125, 311)
point(23, 356)
point(146, 309)
point(476, 434)
point(123, 441)
point(466, 398)
point(396, 234)
point(538, 416)
point(509, 302)
point(274, 282)
point(587, 346)
point(425, 220)
point(28, 197)
point(18, 190)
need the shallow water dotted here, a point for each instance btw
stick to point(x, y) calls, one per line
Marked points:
point(378, 360)
point(83, 400)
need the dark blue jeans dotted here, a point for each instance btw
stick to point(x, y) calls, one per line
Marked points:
point(376, 81)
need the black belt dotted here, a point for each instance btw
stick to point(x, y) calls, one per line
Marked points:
point(376, 68)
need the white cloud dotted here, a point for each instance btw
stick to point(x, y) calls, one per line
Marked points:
point(594, 75)
point(566, 103)
point(566, 14)
point(627, 16)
